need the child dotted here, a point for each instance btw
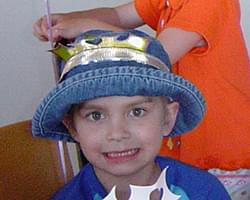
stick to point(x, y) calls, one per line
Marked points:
point(199, 37)
point(118, 98)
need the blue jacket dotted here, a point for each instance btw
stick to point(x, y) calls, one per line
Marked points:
point(182, 179)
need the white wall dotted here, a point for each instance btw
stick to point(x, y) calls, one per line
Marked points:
point(25, 67)
point(245, 22)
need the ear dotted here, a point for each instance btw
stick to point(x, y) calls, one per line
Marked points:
point(69, 124)
point(171, 111)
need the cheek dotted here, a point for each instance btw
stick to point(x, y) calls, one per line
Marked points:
point(151, 133)
point(88, 138)
point(90, 147)
point(152, 143)
point(83, 131)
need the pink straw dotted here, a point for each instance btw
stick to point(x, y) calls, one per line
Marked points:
point(49, 23)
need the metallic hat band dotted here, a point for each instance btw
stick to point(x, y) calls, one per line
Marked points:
point(112, 54)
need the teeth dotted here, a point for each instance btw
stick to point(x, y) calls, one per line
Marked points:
point(122, 154)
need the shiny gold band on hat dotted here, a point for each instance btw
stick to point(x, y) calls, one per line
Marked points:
point(113, 54)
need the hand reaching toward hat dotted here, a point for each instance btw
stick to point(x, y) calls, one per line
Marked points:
point(68, 26)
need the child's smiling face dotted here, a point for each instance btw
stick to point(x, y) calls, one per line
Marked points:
point(122, 135)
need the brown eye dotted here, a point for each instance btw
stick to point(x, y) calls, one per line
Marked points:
point(137, 112)
point(95, 116)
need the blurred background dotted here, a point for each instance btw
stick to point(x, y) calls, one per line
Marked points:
point(26, 69)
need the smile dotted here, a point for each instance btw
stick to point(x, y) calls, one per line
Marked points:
point(121, 155)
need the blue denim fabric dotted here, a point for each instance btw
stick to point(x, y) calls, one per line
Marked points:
point(118, 78)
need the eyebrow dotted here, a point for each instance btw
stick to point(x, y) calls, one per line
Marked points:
point(142, 101)
point(87, 105)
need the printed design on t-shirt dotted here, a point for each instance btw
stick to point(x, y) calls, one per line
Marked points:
point(143, 192)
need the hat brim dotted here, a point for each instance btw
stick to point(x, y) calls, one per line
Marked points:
point(117, 81)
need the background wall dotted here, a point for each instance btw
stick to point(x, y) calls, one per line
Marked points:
point(245, 15)
point(25, 67)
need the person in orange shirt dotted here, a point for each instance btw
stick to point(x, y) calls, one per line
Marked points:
point(205, 45)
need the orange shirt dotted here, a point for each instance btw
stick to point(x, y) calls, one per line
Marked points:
point(221, 70)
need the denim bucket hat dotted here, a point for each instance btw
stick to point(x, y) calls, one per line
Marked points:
point(105, 63)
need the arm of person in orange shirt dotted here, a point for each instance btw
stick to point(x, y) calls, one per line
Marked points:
point(70, 25)
point(177, 42)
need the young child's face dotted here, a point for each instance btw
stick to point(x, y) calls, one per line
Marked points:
point(121, 135)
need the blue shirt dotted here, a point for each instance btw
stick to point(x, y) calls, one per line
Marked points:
point(182, 179)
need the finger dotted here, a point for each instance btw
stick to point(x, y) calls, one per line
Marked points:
point(54, 23)
point(44, 26)
point(56, 18)
point(63, 30)
point(56, 34)
point(37, 31)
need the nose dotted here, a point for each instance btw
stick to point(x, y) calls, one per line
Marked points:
point(118, 129)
